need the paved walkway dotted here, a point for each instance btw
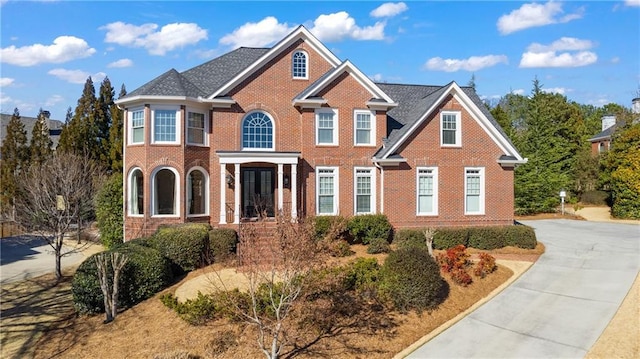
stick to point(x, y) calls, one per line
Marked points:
point(558, 308)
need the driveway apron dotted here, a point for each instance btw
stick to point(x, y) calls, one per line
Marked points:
point(560, 306)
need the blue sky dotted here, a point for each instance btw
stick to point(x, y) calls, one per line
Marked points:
point(589, 51)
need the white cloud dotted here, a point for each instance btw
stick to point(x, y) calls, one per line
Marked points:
point(257, 34)
point(389, 9)
point(565, 52)
point(121, 63)
point(473, 63)
point(54, 100)
point(6, 81)
point(63, 49)
point(534, 15)
point(76, 76)
point(376, 77)
point(632, 2)
point(518, 92)
point(340, 25)
point(170, 37)
point(558, 90)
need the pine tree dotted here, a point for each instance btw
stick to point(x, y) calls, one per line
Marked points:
point(80, 134)
point(103, 119)
point(116, 139)
point(15, 158)
point(41, 145)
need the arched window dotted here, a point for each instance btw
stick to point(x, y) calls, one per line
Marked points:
point(299, 65)
point(197, 192)
point(165, 192)
point(257, 131)
point(136, 192)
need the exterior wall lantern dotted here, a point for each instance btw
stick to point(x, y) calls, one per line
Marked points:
point(230, 180)
point(563, 194)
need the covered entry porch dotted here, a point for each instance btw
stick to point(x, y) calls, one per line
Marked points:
point(251, 177)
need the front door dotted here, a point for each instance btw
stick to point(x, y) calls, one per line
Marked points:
point(257, 192)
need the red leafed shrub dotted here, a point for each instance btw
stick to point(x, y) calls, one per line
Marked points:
point(485, 265)
point(461, 277)
point(454, 258)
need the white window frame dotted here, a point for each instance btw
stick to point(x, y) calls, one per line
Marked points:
point(306, 65)
point(154, 195)
point(130, 185)
point(372, 128)
point(469, 172)
point(335, 126)
point(130, 127)
point(205, 128)
point(427, 172)
point(205, 191)
point(364, 172)
point(177, 124)
point(458, 124)
point(273, 132)
point(336, 185)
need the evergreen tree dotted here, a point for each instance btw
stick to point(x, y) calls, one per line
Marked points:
point(80, 134)
point(116, 139)
point(103, 120)
point(472, 82)
point(41, 145)
point(14, 155)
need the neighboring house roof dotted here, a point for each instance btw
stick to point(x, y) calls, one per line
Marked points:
point(604, 135)
point(55, 128)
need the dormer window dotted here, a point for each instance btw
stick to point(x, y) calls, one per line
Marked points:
point(299, 66)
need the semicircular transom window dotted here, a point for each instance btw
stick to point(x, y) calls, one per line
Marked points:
point(257, 132)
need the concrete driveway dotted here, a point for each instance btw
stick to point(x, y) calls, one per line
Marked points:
point(558, 308)
point(28, 256)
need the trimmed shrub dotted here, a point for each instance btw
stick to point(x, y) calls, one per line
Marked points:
point(196, 311)
point(598, 198)
point(487, 238)
point(109, 211)
point(186, 245)
point(450, 237)
point(338, 248)
point(410, 238)
point(363, 276)
point(330, 227)
point(223, 244)
point(521, 236)
point(368, 227)
point(486, 265)
point(378, 245)
point(411, 279)
point(145, 273)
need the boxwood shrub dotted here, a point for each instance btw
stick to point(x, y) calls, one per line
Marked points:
point(367, 227)
point(378, 245)
point(488, 238)
point(521, 236)
point(223, 243)
point(147, 271)
point(336, 226)
point(450, 237)
point(186, 245)
point(413, 237)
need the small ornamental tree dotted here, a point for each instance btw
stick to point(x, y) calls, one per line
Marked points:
point(109, 211)
point(109, 281)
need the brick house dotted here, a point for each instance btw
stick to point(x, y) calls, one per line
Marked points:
point(293, 129)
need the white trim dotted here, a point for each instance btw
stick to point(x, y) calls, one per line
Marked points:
point(483, 190)
point(336, 186)
point(273, 132)
point(178, 124)
point(434, 175)
point(130, 113)
point(458, 129)
point(154, 195)
point(205, 130)
point(300, 33)
point(129, 201)
point(270, 157)
point(372, 175)
point(372, 128)
point(205, 191)
point(336, 119)
point(306, 65)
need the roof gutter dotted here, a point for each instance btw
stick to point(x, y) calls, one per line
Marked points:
point(509, 163)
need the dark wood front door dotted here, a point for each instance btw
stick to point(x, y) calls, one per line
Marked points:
point(258, 184)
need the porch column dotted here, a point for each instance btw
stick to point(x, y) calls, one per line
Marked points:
point(294, 191)
point(236, 192)
point(280, 194)
point(223, 194)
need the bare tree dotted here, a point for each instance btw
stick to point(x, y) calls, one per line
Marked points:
point(428, 235)
point(116, 262)
point(55, 196)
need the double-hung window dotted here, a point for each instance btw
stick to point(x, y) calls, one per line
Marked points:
point(327, 190)
point(474, 190)
point(166, 127)
point(136, 126)
point(427, 191)
point(326, 126)
point(450, 131)
point(196, 128)
point(364, 125)
point(364, 191)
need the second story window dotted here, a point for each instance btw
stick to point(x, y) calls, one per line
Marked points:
point(195, 128)
point(257, 132)
point(299, 65)
point(326, 126)
point(450, 132)
point(364, 124)
point(166, 124)
point(136, 127)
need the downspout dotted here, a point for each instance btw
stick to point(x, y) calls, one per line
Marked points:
point(381, 186)
point(124, 176)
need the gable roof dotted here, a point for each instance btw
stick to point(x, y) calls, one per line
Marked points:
point(55, 127)
point(417, 103)
point(604, 135)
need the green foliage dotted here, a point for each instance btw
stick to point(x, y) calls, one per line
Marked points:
point(521, 236)
point(109, 211)
point(185, 245)
point(223, 243)
point(410, 238)
point(116, 139)
point(411, 279)
point(450, 237)
point(194, 311)
point(378, 245)
point(599, 198)
point(145, 273)
point(367, 227)
point(623, 162)
point(487, 238)
point(362, 275)
point(330, 227)
point(40, 148)
point(15, 158)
